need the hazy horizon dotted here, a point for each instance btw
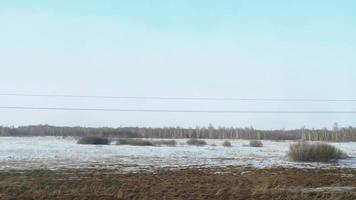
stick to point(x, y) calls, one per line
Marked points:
point(330, 127)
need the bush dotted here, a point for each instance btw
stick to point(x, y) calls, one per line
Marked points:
point(196, 142)
point(256, 143)
point(317, 152)
point(164, 142)
point(134, 142)
point(227, 144)
point(93, 140)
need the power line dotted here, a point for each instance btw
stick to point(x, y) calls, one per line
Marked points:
point(180, 98)
point(176, 111)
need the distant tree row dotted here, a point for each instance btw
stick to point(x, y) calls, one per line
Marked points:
point(335, 135)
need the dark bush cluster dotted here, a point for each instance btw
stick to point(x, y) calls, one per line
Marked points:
point(164, 142)
point(314, 152)
point(227, 144)
point(256, 143)
point(93, 140)
point(196, 142)
point(134, 142)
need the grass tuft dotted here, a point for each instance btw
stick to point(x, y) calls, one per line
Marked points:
point(314, 152)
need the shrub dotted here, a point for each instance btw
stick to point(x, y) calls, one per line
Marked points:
point(317, 152)
point(256, 143)
point(227, 144)
point(134, 142)
point(196, 142)
point(93, 140)
point(164, 142)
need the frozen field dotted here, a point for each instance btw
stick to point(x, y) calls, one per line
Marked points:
point(55, 153)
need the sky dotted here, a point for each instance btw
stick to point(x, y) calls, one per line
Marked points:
point(169, 48)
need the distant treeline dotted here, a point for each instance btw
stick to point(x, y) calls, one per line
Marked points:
point(336, 135)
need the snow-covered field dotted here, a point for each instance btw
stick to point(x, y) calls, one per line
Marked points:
point(56, 153)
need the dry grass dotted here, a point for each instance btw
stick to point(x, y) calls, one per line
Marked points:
point(314, 152)
point(93, 140)
point(197, 184)
point(196, 142)
point(256, 143)
point(226, 144)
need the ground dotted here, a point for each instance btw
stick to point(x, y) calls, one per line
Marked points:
point(191, 184)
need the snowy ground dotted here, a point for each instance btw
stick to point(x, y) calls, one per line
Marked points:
point(55, 153)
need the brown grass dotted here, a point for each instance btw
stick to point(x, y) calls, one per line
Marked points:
point(190, 184)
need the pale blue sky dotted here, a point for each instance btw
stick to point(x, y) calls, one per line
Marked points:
point(201, 48)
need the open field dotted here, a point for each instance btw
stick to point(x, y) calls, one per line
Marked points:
point(190, 184)
point(24, 153)
point(57, 168)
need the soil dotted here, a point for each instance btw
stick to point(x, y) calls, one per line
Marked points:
point(190, 184)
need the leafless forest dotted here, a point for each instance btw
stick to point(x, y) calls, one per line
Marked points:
point(335, 135)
